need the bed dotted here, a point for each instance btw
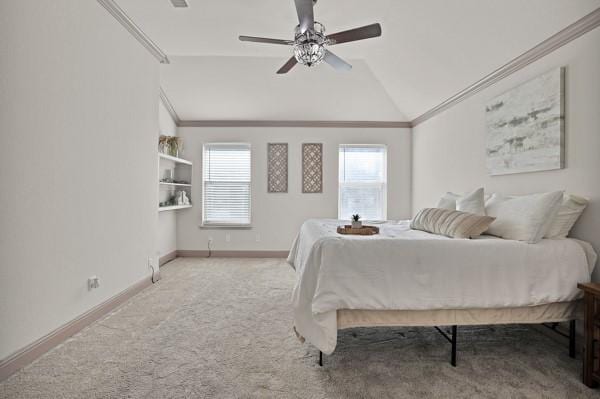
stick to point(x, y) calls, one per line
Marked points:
point(404, 277)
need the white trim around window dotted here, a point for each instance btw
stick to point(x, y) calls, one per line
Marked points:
point(226, 185)
point(362, 181)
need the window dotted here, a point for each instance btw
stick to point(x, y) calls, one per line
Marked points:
point(226, 184)
point(363, 181)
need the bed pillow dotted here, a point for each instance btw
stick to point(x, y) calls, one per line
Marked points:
point(455, 224)
point(525, 218)
point(472, 203)
point(450, 201)
point(570, 209)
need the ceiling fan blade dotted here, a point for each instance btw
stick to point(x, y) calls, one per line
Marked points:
point(265, 40)
point(336, 62)
point(365, 32)
point(287, 66)
point(306, 16)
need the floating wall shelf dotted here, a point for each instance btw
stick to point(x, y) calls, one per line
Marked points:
point(182, 172)
point(173, 208)
point(174, 159)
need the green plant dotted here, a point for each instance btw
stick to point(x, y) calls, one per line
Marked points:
point(162, 143)
point(169, 144)
point(355, 218)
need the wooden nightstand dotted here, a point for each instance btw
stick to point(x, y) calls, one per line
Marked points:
point(591, 363)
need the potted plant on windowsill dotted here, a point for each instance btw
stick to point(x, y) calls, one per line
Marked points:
point(356, 223)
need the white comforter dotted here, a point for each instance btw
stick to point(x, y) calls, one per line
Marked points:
point(407, 269)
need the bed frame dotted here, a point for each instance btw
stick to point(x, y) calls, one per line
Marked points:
point(451, 337)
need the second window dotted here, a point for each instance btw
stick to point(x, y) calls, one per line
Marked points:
point(362, 181)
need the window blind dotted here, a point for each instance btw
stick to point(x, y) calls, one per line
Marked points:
point(226, 184)
point(362, 181)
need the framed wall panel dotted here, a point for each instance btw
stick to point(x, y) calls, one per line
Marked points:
point(312, 167)
point(277, 167)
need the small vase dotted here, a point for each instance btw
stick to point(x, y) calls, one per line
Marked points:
point(356, 225)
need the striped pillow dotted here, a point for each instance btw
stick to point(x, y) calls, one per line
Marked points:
point(451, 223)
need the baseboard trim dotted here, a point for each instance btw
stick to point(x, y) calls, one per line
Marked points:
point(232, 254)
point(167, 258)
point(31, 352)
point(28, 354)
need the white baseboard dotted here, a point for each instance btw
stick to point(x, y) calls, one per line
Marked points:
point(167, 258)
point(232, 254)
point(28, 354)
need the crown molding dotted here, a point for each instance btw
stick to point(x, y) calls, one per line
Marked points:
point(120, 15)
point(288, 123)
point(554, 42)
point(169, 107)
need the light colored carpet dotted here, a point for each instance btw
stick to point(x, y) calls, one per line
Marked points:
point(223, 328)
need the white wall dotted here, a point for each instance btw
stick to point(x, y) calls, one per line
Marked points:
point(167, 221)
point(78, 115)
point(276, 218)
point(449, 150)
point(248, 88)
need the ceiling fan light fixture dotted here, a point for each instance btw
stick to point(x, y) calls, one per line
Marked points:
point(309, 46)
point(310, 42)
point(309, 54)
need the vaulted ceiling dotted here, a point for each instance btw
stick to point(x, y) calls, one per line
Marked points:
point(429, 50)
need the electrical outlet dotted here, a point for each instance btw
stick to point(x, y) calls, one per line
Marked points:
point(227, 237)
point(258, 238)
point(210, 240)
point(93, 282)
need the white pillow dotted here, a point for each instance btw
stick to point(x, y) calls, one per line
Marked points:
point(525, 218)
point(472, 202)
point(448, 200)
point(570, 209)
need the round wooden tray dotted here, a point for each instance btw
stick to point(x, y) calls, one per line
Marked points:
point(363, 231)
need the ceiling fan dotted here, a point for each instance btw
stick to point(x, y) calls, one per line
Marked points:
point(310, 42)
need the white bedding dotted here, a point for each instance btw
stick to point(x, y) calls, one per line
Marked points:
point(414, 270)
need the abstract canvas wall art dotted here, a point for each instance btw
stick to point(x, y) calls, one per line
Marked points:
point(525, 126)
point(312, 167)
point(277, 167)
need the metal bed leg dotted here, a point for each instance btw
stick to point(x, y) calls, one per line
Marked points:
point(572, 338)
point(571, 335)
point(453, 358)
point(320, 358)
point(452, 341)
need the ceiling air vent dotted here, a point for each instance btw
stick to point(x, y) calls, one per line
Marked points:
point(180, 3)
